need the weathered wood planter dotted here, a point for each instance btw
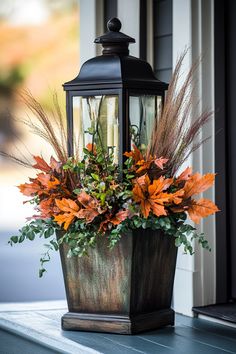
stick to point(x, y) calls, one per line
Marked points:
point(125, 290)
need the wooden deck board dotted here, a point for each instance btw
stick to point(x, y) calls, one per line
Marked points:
point(207, 336)
point(35, 328)
point(212, 328)
point(12, 344)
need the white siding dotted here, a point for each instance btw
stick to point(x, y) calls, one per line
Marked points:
point(195, 281)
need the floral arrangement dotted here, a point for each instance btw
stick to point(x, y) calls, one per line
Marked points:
point(84, 199)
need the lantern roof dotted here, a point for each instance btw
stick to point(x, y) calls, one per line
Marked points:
point(115, 67)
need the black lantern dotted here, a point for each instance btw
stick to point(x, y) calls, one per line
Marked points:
point(115, 93)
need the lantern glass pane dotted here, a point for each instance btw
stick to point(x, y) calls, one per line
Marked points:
point(95, 120)
point(143, 110)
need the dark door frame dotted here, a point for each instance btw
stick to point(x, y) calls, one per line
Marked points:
point(223, 152)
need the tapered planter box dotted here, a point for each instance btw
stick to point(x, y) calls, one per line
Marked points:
point(124, 290)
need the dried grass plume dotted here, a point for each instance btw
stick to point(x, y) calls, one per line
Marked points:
point(175, 132)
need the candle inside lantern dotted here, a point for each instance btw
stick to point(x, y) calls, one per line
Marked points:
point(78, 127)
point(116, 142)
point(80, 143)
point(110, 128)
point(111, 111)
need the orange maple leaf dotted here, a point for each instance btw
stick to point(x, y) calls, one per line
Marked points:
point(177, 197)
point(159, 185)
point(55, 165)
point(200, 209)
point(48, 208)
point(67, 205)
point(69, 208)
point(151, 196)
point(41, 164)
point(119, 217)
point(135, 154)
point(48, 181)
point(92, 148)
point(185, 175)
point(91, 207)
point(160, 162)
point(30, 189)
point(87, 214)
point(144, 164)
point(197, 184)
point(87, 201)
point(115, 220)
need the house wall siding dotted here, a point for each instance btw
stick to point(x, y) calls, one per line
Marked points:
point(193, 28)
point(162, 11)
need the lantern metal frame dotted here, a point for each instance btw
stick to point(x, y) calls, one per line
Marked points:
point(115, 72)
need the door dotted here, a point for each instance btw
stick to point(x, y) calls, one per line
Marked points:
point(225, 148)
point(231, 132)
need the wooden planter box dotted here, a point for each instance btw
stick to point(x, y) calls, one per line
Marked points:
point(125, 290)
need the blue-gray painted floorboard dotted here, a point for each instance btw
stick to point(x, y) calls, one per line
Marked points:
point(41, 333)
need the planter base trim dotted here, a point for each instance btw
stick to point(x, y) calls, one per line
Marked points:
point(117, 323)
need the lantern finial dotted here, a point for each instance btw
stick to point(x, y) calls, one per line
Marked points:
point(114, 41)
point(114, 24)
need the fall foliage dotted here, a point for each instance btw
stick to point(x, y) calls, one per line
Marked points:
point(151, 195)
point(88, 195)
point(158, 196)
point(69, 209)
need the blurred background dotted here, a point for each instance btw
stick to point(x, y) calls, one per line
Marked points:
point(39, 41)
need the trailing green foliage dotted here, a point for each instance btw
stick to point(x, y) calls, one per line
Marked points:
point(44, 228)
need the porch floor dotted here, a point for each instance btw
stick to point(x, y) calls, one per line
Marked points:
point(35, 328)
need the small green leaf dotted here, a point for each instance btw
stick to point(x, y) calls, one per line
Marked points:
point(21, 238)
point(49, 232)
point(66, 167)
point(41, 272)
point(77, 191)
point(54, 244)
point(100, 159)
point(95, 177)
point(130, 176)
point(14, 239)
point(178, 242)
point(103, 198)
point(144, 224)
point(30, 236)
point(137, 223)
